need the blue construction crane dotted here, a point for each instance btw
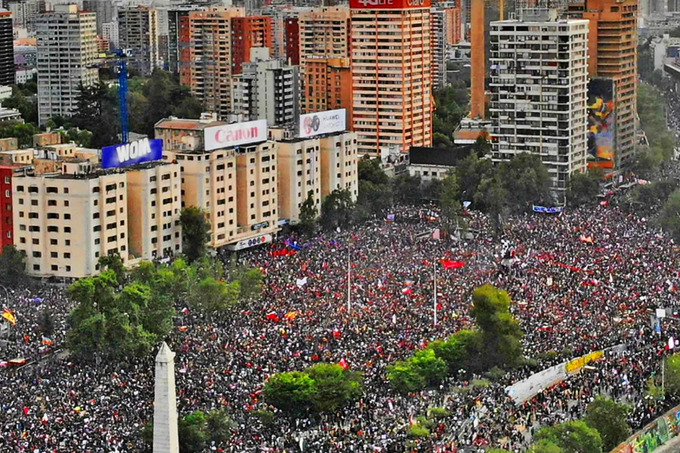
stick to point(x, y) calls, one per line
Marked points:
point(118, 59)
point(121, 68)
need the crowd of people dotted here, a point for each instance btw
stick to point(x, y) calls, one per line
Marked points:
point(583, 280)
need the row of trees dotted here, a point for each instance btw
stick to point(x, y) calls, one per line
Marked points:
point(653, 121)
point(496, 343)
point(323, 387)
point(123, 312)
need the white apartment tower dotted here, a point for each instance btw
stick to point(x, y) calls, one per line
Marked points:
point(266, 89)
point(66, 57)
point(539, 76)
point(138, 31)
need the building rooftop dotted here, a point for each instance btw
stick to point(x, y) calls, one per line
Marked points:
point(447, 157)
point(187, 124)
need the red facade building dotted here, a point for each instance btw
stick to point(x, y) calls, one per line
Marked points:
point(292, 40)
point(6, 226)
point(246, 33)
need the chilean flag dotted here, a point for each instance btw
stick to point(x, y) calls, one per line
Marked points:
point(450, 264)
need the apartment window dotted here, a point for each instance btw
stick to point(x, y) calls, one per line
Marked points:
point(7, 193)
point(52, 215)
point(52, 229)
point(97, 228)
point(51, 202)
point(35, 242)
point(54, 255)
point(34, 202)
point(66, 202)
point(33, 215)
point(37, 254)
point(54, 267)
point(111, 239)
point(67, 216)
point(34, 228)
point(53, 242)
point(95, 189)
point(67, 242)
point(67, 255)
point(36, 267)
point(20, 188)
point(67, 230)
point(52, 190)
point(68, 268)
point(152, 179)
point(111, 200)
point(21, 201)
point(65, 189)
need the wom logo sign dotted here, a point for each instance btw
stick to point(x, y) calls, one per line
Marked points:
point(136, 152)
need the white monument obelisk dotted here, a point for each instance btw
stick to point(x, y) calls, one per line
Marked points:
point(165, 438)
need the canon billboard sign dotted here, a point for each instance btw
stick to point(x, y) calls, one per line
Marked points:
point(389, 4)
point(228, 135)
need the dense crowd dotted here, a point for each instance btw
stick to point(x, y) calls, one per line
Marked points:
point(571, 294)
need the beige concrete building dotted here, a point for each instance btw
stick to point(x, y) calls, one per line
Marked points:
point(154, 207)
point(339, 163)
point(299, 173)
point(16, 157)
point(235, 184)
point(138, 31)
point(66, 221)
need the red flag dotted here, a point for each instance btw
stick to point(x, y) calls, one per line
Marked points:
point(344, 364)
point(273, 317)
point(450, 264)
point(407, 290)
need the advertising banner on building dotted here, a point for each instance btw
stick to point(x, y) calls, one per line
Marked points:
point(601, 123)
point(389, 4)
point(320, 123)
point(252, 242)
point(136, 152)
point(228, 135)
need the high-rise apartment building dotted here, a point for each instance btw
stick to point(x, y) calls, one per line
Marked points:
point(454, 23)
point(247, 33)
point(329, 85)
point(104, 9)
point(613, 54)
point(7, 73)
point(323, 33)
point(391, 70)
point(438, 35)
point(205, 53)
point(291, 40)
point(266, 89)
point(178, 24)
point(66, 57)
point(538, 87)
point(138, 31)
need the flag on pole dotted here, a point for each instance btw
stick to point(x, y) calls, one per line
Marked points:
point(9, 316)
point(47, 341)
point(450, 264)
point(344, 364)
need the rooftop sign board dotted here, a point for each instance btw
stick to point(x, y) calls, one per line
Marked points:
point(389, 4)
point(132, 153)
point(228, 135)
point(320, 123)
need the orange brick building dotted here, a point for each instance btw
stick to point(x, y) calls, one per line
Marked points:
point(246, 33)
point(329, 85)
point(391, 74)
point(612, 48)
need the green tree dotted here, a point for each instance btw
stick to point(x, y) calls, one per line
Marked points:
point(482, 145)
point(23, 101)
point(583, 188)
point(669, 218)
point(469, 173)
point(370, 170)
point(432, 368)
point(501, 332)
point(96, 111)
point(308, 214)
point(218, 427)
point(192, 432)
point(12, 266)
point(336, 209)
point(491, 197)
point(114, 321)
point(450, 203)
point(292, 392)
point(672, 376)
point(609, 418)
point(440, 140)
point(195, 232)
point(335, 386)
point(212, 296)
point(572, 437)
point(526, 181)
point(545, 446)
point(22, 131)
point(406, 188)
point(405, 378)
